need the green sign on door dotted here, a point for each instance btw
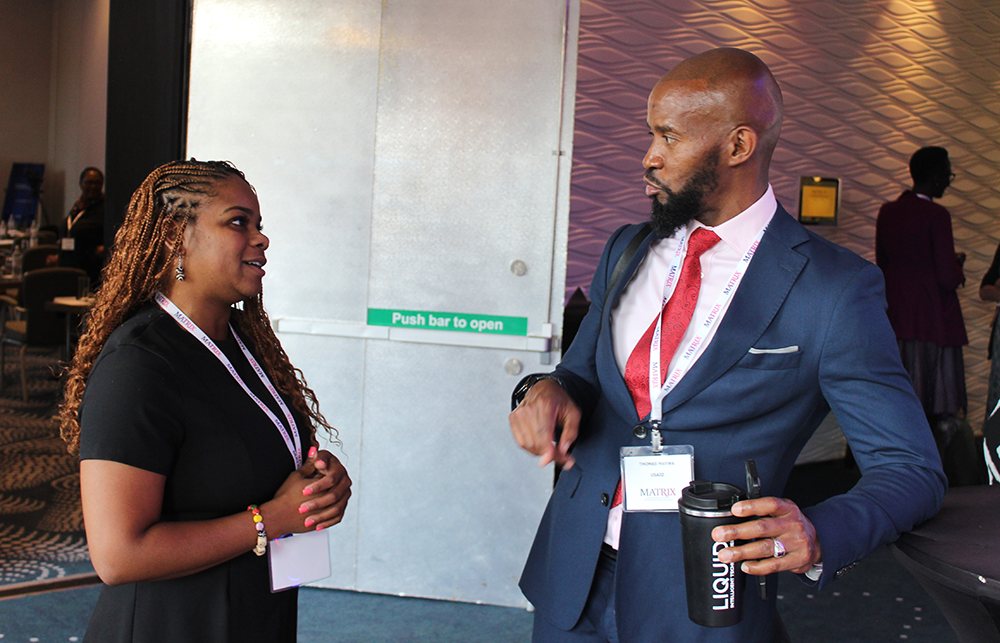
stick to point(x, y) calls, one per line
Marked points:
point(461, 322)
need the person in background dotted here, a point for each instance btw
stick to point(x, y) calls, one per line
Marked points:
point(82, 231)
point(915, 249)
point(989, 290)
point(991, 447)
point(197, 436)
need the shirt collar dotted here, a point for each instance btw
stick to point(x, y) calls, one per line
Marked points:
point(740, 232)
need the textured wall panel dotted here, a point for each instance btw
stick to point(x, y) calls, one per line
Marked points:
point(865, 84)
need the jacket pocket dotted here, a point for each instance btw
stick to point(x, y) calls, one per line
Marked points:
point(569, 480)
point(772, 359)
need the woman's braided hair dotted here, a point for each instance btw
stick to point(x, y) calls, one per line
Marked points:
point(141, 263)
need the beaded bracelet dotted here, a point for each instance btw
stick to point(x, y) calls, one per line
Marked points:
point(258, 522)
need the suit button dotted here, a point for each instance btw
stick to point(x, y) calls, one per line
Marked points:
point(639, 431)
point(604, 499)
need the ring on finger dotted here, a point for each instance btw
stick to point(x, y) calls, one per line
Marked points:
point(779, 549)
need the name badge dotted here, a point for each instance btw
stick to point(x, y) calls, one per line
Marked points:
point(299, 559)
point(68, 243)
point(652, 480)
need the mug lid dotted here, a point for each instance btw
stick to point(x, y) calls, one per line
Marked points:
point(710, 496)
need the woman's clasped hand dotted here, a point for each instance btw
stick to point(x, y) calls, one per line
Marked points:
point(313, 497)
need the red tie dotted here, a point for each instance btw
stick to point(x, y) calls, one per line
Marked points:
point(677, 314)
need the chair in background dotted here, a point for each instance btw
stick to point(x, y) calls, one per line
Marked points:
point(45, 256)
point(39, 257)
point(47, 237)
point(34, 258)
point(30, 324)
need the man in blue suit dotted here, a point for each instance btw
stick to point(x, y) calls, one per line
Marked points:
point(765, 330)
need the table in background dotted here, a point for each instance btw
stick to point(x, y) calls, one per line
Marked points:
point(956, 558)
point(10, 281)
point(69, 306)
point(10, 286)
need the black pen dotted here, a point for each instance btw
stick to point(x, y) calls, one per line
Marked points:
point(753, 492)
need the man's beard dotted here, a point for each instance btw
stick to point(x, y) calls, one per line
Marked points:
point(683, 207)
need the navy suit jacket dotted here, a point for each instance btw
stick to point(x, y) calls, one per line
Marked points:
point(799, 291)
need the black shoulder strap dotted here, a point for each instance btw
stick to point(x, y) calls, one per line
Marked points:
point(624, 260)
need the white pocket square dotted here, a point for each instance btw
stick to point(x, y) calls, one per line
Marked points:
point(774, 351)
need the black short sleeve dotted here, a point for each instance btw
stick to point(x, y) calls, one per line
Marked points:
point(129, 412)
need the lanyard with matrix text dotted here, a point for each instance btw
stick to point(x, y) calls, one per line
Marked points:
point(686, 360)
point(293, 442)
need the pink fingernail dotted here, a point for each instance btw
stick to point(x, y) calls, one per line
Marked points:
point(309, 522)
point(303, 509)
point(312, 452)
point(307, 491)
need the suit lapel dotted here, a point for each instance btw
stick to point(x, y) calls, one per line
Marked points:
point(769, 279)
point(612, 383)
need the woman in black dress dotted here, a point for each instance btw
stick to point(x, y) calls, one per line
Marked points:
point(197, 437)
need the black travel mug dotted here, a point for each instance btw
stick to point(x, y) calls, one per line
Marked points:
point(714, 588)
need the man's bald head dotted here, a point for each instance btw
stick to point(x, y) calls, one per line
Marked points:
point(737, 88)
point(714, 120)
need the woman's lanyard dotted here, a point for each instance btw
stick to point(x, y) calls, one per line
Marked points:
point(687, 356)
point(71, 220)
point(293, 443)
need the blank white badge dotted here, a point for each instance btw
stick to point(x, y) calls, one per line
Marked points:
point(299, 559)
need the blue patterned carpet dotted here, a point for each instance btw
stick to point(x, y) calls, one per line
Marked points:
point(878, 601)
point(41, 522)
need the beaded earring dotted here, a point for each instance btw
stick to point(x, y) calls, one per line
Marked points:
point(179, 270)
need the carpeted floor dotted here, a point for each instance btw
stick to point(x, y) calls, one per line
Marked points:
point(878, 601)
point(41, 523)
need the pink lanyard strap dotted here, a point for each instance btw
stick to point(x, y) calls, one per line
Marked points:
point(293, 442)
point(687, 356)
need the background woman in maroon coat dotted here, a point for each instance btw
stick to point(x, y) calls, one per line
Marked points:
point(915, 249)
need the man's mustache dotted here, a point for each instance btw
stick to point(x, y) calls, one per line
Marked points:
point(652, 179)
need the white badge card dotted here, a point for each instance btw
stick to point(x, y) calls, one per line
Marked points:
point(299, 559)
point(68, 243)
point(652, 481)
